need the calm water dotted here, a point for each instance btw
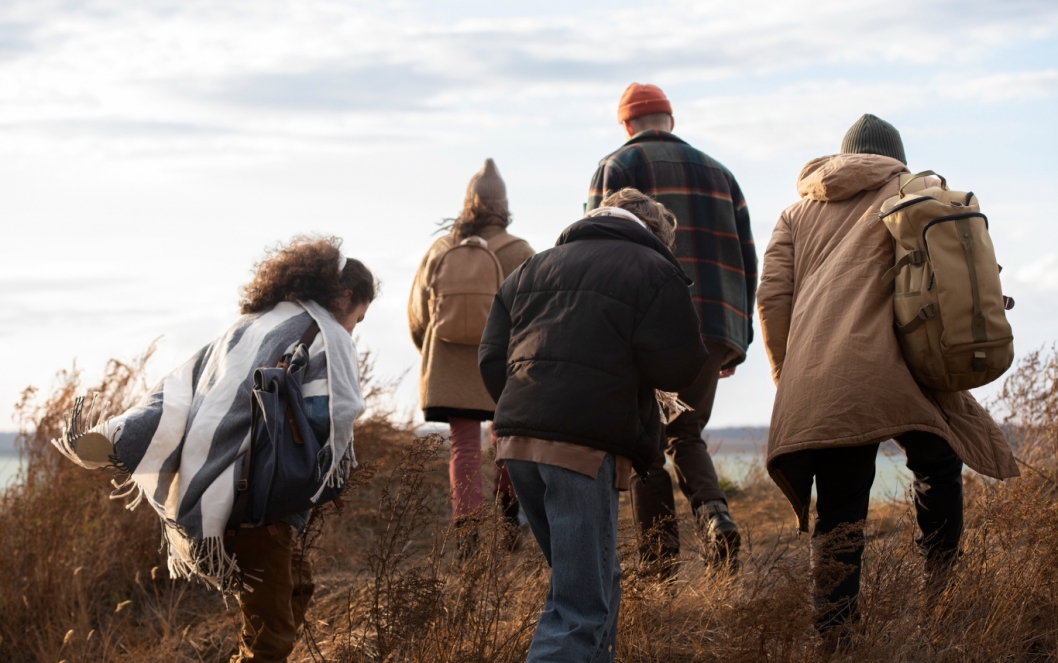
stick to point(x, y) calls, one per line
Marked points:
point(891, 480)
point(8, 469)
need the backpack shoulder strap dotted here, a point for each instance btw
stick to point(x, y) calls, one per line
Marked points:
point(500, 241)
point(906, 179)
point(310, 334)
point(242, 493)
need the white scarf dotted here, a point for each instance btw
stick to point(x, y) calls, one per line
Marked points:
point(617, 211)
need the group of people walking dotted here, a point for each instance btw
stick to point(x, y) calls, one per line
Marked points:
point(655, 291)
point(597, 361)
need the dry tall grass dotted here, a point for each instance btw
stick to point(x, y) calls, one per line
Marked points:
point(83, 580)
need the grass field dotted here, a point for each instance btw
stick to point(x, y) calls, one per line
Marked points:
point(82, 579)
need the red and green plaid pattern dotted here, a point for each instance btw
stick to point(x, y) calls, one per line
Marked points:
point(714, 242)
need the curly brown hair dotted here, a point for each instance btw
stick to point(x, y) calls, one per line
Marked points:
point(658, 218)
point(307, 268)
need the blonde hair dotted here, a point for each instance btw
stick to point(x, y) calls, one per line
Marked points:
point(658, 218)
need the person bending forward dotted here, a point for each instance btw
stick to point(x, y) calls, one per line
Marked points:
point(577, 340)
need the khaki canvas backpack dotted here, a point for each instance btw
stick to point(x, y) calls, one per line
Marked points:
point(467, 278)
point(948, 303)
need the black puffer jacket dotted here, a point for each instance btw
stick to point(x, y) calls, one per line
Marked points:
point(580, 335)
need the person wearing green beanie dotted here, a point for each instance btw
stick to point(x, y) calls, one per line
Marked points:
point(842, 386)
point(873, 135)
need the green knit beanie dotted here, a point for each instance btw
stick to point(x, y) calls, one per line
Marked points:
point(873, 135)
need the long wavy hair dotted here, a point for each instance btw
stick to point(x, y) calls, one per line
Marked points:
point(307, 268)
point(477, 215)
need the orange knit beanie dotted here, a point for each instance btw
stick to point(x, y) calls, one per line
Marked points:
point(639, 100)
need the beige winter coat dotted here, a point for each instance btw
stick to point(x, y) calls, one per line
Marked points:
point(449, 376)
point(827, 325)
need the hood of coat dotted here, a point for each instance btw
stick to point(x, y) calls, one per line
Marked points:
point(615, 227)
point(842, 176)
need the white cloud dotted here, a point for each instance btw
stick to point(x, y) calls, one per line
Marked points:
point(268, 76)
point(1002, 87)
point(150, 150)
point(1040, 275)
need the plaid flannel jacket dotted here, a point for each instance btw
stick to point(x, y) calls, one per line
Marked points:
point(714, 242)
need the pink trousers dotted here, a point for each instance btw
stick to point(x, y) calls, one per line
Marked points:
point(464, 469)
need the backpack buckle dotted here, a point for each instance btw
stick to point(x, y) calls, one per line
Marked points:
point(242, 485)
point(979, 362)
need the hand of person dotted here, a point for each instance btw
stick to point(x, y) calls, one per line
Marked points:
point(727, 372)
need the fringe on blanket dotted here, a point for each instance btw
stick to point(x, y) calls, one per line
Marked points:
point(126, 489)
point(79, 424)
point(205, 559)
point(337, 474)
point(187, 558)
point(671, 406)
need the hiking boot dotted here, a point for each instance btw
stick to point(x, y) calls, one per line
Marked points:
point(512, 527)
point(466, 546)
point(937, 574)
point(659, 568)
point(836, 624)
point(466, 531)
point(719, 532)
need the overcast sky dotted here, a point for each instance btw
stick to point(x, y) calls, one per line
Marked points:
point(150, 151)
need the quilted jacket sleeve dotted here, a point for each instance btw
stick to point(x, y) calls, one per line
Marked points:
point(492, 353)
point(419, 299)
point(667, 340)
point(775, 295)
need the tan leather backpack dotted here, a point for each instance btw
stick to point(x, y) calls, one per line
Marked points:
point(467, 278)
point(948, 303)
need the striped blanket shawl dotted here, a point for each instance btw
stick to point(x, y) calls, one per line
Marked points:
point(180, 443)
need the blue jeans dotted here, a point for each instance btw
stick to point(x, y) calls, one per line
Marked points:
point(574, 519)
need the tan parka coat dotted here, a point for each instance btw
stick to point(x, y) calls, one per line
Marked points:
point(449, 377)
point(827, 325)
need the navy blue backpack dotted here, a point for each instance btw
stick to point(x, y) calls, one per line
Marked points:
point(285, 464)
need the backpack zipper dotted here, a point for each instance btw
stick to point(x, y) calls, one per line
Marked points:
point(953, 217)
point(904, 205)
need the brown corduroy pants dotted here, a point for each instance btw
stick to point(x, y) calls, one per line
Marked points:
point(274, 610)
point(653, 505)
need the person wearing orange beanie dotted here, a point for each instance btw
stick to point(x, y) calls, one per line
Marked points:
point(714, 244)
point(640, 100)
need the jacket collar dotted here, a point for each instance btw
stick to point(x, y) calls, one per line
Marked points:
point(614, 227)
point(654, 135)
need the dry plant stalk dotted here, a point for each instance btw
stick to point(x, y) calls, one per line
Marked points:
point(389, 586)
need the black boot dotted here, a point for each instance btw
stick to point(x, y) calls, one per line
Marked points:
point(937, 574)
point(511, 525)
point(466, 538)
point(719, 532)
point(836, 627)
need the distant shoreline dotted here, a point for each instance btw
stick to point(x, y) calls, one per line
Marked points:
point(7, 443)
point(730, 439)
